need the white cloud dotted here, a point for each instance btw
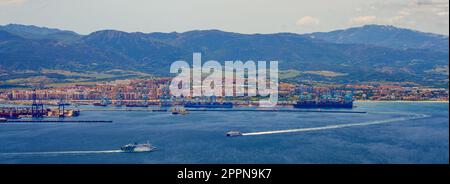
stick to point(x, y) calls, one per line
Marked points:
point(308, 21)
point(12, 2)
point(395, 20)
point(362, 20)
point(424, 15)
point(404, 13)
point(444, 13)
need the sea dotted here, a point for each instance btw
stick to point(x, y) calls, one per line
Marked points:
point(388, 133)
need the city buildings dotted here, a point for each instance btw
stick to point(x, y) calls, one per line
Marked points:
point(156, 88)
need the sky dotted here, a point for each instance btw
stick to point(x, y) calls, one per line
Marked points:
point(243, 16)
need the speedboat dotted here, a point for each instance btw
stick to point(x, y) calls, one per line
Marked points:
point(234, 134)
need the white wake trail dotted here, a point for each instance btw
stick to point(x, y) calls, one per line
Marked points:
point(417, 116)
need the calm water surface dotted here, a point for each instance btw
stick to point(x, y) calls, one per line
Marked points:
point(199, 137)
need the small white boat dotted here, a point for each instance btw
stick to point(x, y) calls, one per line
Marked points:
point(234, 134)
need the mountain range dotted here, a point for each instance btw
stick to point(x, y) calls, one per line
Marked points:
point(360, 54)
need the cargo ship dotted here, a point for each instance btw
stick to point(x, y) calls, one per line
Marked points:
point(208, 105)
point(99, 104)
point(137, 105)
point(324, 104)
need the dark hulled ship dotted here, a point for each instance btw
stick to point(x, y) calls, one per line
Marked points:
point(326, 101)
point(208, 105)
point(324, 104)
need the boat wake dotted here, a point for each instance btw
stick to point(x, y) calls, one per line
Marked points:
point(415, 116)
point(62, 152)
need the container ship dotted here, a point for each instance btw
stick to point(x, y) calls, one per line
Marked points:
point(324, 104)
point(208, 105)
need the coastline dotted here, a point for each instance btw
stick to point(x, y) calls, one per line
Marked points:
point(3, 102)
point(401, 101)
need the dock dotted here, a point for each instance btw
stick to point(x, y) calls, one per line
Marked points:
point(56, 121)
point(231, 110)
point(277, 110)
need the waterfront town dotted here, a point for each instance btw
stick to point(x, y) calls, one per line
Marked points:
point(155, 90)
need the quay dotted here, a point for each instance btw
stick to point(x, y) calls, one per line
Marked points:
point(56, 121)
point(19, 112)
point(37, 110)
point(230, 110)
point(279, 110)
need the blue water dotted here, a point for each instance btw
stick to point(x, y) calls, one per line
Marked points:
point(199, 137)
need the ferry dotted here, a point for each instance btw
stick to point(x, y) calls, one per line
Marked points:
point(3, 120)
point(135, 148)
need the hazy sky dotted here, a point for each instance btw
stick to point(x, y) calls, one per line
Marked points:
point(244, 16)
